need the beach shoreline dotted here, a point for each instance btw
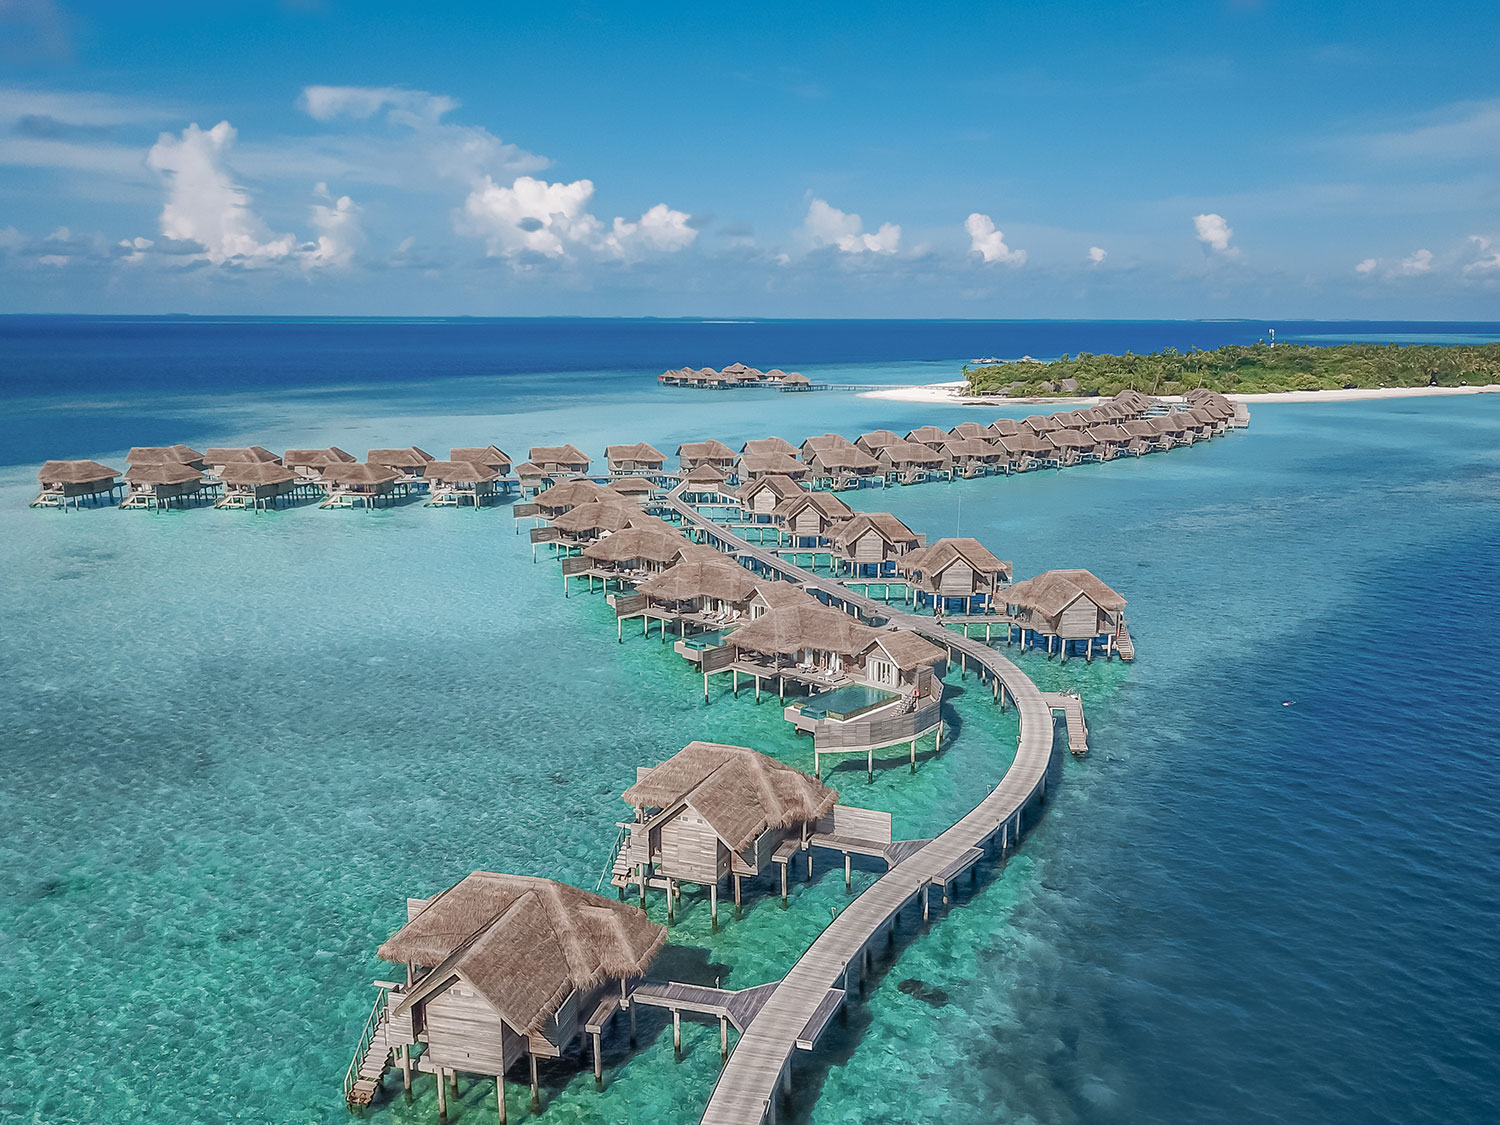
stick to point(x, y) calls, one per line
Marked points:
point(949, 393)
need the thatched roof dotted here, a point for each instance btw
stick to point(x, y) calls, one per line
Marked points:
point(597, 515)
point(783, 486)
point(769, 445)
point(907, 649)
point(1108, 432)
point(640, 451)
point(75, 472)
point(360, 472)
point(162, 454)
point(795, 377)
point(906, 452)
point(850, 458)
point(701, 577)
point(709, 450)
point(460, 472)
point(704, 474)
point(829, 505)
point(883, 523)
point(655, 542)
point(740, 792)
point(969, 430)
point(248, 453)
point(877, 439)
point(571, 493)
point(1140, 428)
point(812, 625)
point(256, 473)
point(971, 447)
point(1028, 443)
point(524, 943)
point(826, 441)
point(163, 472)
point(773, 594)
point(315, 458)
point(1040, 423)
point(1069, 439)
point(928, 435)
point(487, 455)
point(631, 487)
point(933, 558)
point(558, 455)
point(1005, 427)
point(409, 458)
point(1071, 419)
point(1053, 591)
point(528, 470)
point(765, 464)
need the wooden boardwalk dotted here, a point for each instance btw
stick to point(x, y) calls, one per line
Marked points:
point(1072, 707)
point(746, 1091)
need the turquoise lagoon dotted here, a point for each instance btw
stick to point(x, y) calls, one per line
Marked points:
point(234, 744)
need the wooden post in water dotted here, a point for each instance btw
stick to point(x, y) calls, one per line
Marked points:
point(442, 1092)
point(676, 1032)
point(500, 1096)
point(723, 1039)
point(536, 1089)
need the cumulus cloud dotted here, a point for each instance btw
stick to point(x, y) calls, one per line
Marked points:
point(205, 205)
point(1489, 259)
point(339, 233)
point(1418, 263)
point(828, 226)
point(989, 243)
point(553, 220)
point(1214, 232)
point(1366, 267)
point(1097, 254)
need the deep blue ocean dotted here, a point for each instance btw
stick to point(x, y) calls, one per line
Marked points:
point(232, 745)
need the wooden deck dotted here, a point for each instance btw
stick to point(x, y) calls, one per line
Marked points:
point(746, 1090)
point(1072, 707)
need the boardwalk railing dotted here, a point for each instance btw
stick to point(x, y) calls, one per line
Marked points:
point(857, 735)
point(366, 1041)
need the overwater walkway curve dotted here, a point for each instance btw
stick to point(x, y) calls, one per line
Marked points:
point(746, 1090)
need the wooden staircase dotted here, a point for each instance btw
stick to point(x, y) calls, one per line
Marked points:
point(372, 1058)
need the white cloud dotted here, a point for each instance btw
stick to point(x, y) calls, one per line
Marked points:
point(1214, 232)
point(828, 226)
point(1418, 263)
point(553, 220)
point(1097, 254)
point(989, 243)
point(205, 205)
point(1366, 267)
point(1490, 258)
point(327, 102)
point(1464, 130)
point(339, 233)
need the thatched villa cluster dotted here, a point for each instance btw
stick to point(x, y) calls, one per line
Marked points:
point(734, 376)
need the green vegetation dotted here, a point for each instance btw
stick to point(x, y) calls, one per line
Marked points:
point(1254, 369)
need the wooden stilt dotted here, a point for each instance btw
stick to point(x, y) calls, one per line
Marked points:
point(723, 1038)
point(676, 1032)
point(500, 1096)
point(848, 875)
point(736, 890)
point(632, 1025)
point(598, 1062)
point(442, 1092)
point(713, 903)
point(536, 1089)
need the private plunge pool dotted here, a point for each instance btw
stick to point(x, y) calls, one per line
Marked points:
point(846, 702)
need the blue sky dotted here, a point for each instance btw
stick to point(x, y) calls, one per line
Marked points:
point(1222, 158)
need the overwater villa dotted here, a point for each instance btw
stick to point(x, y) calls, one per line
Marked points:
point(810, 520)
point(1113, 441)
point(1074, 447)
point(807, 643)
point(487, 456)
point(932, 436)
point(559, 460)
point(1072, 419)
point(165, 455)
point(310, 463)
point(1150, 438)
point(217, 459)
point(410, 463)
point(876, 440)
point(912, 462)
point(499, 969)
point(769, 445)
point(76, 482)
point(760, 497)
point(712, 812)
point(1041, 423)
point(872, 544)
point(1005, 427)
point(569, 494)
point(637, 458)
point(165, 484)
point(973, 457)
point(843, 467)
point(815, 445)
point(1133, 401)
point(583, 523)
point(532, 478)
point(633, 553)
point(707, 591)
point(454, 484)
point(1030, 451)
point(970, 430)
point(714, 454)
point(753, 466)
point(360, 484)
point(1069, 611)
point(961, 575)
point(258, 485)
point(636, 489)
point(707, 484)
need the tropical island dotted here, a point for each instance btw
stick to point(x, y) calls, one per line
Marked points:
point(1258, 368)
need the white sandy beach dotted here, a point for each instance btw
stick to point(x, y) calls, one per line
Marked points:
point(949, 393)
